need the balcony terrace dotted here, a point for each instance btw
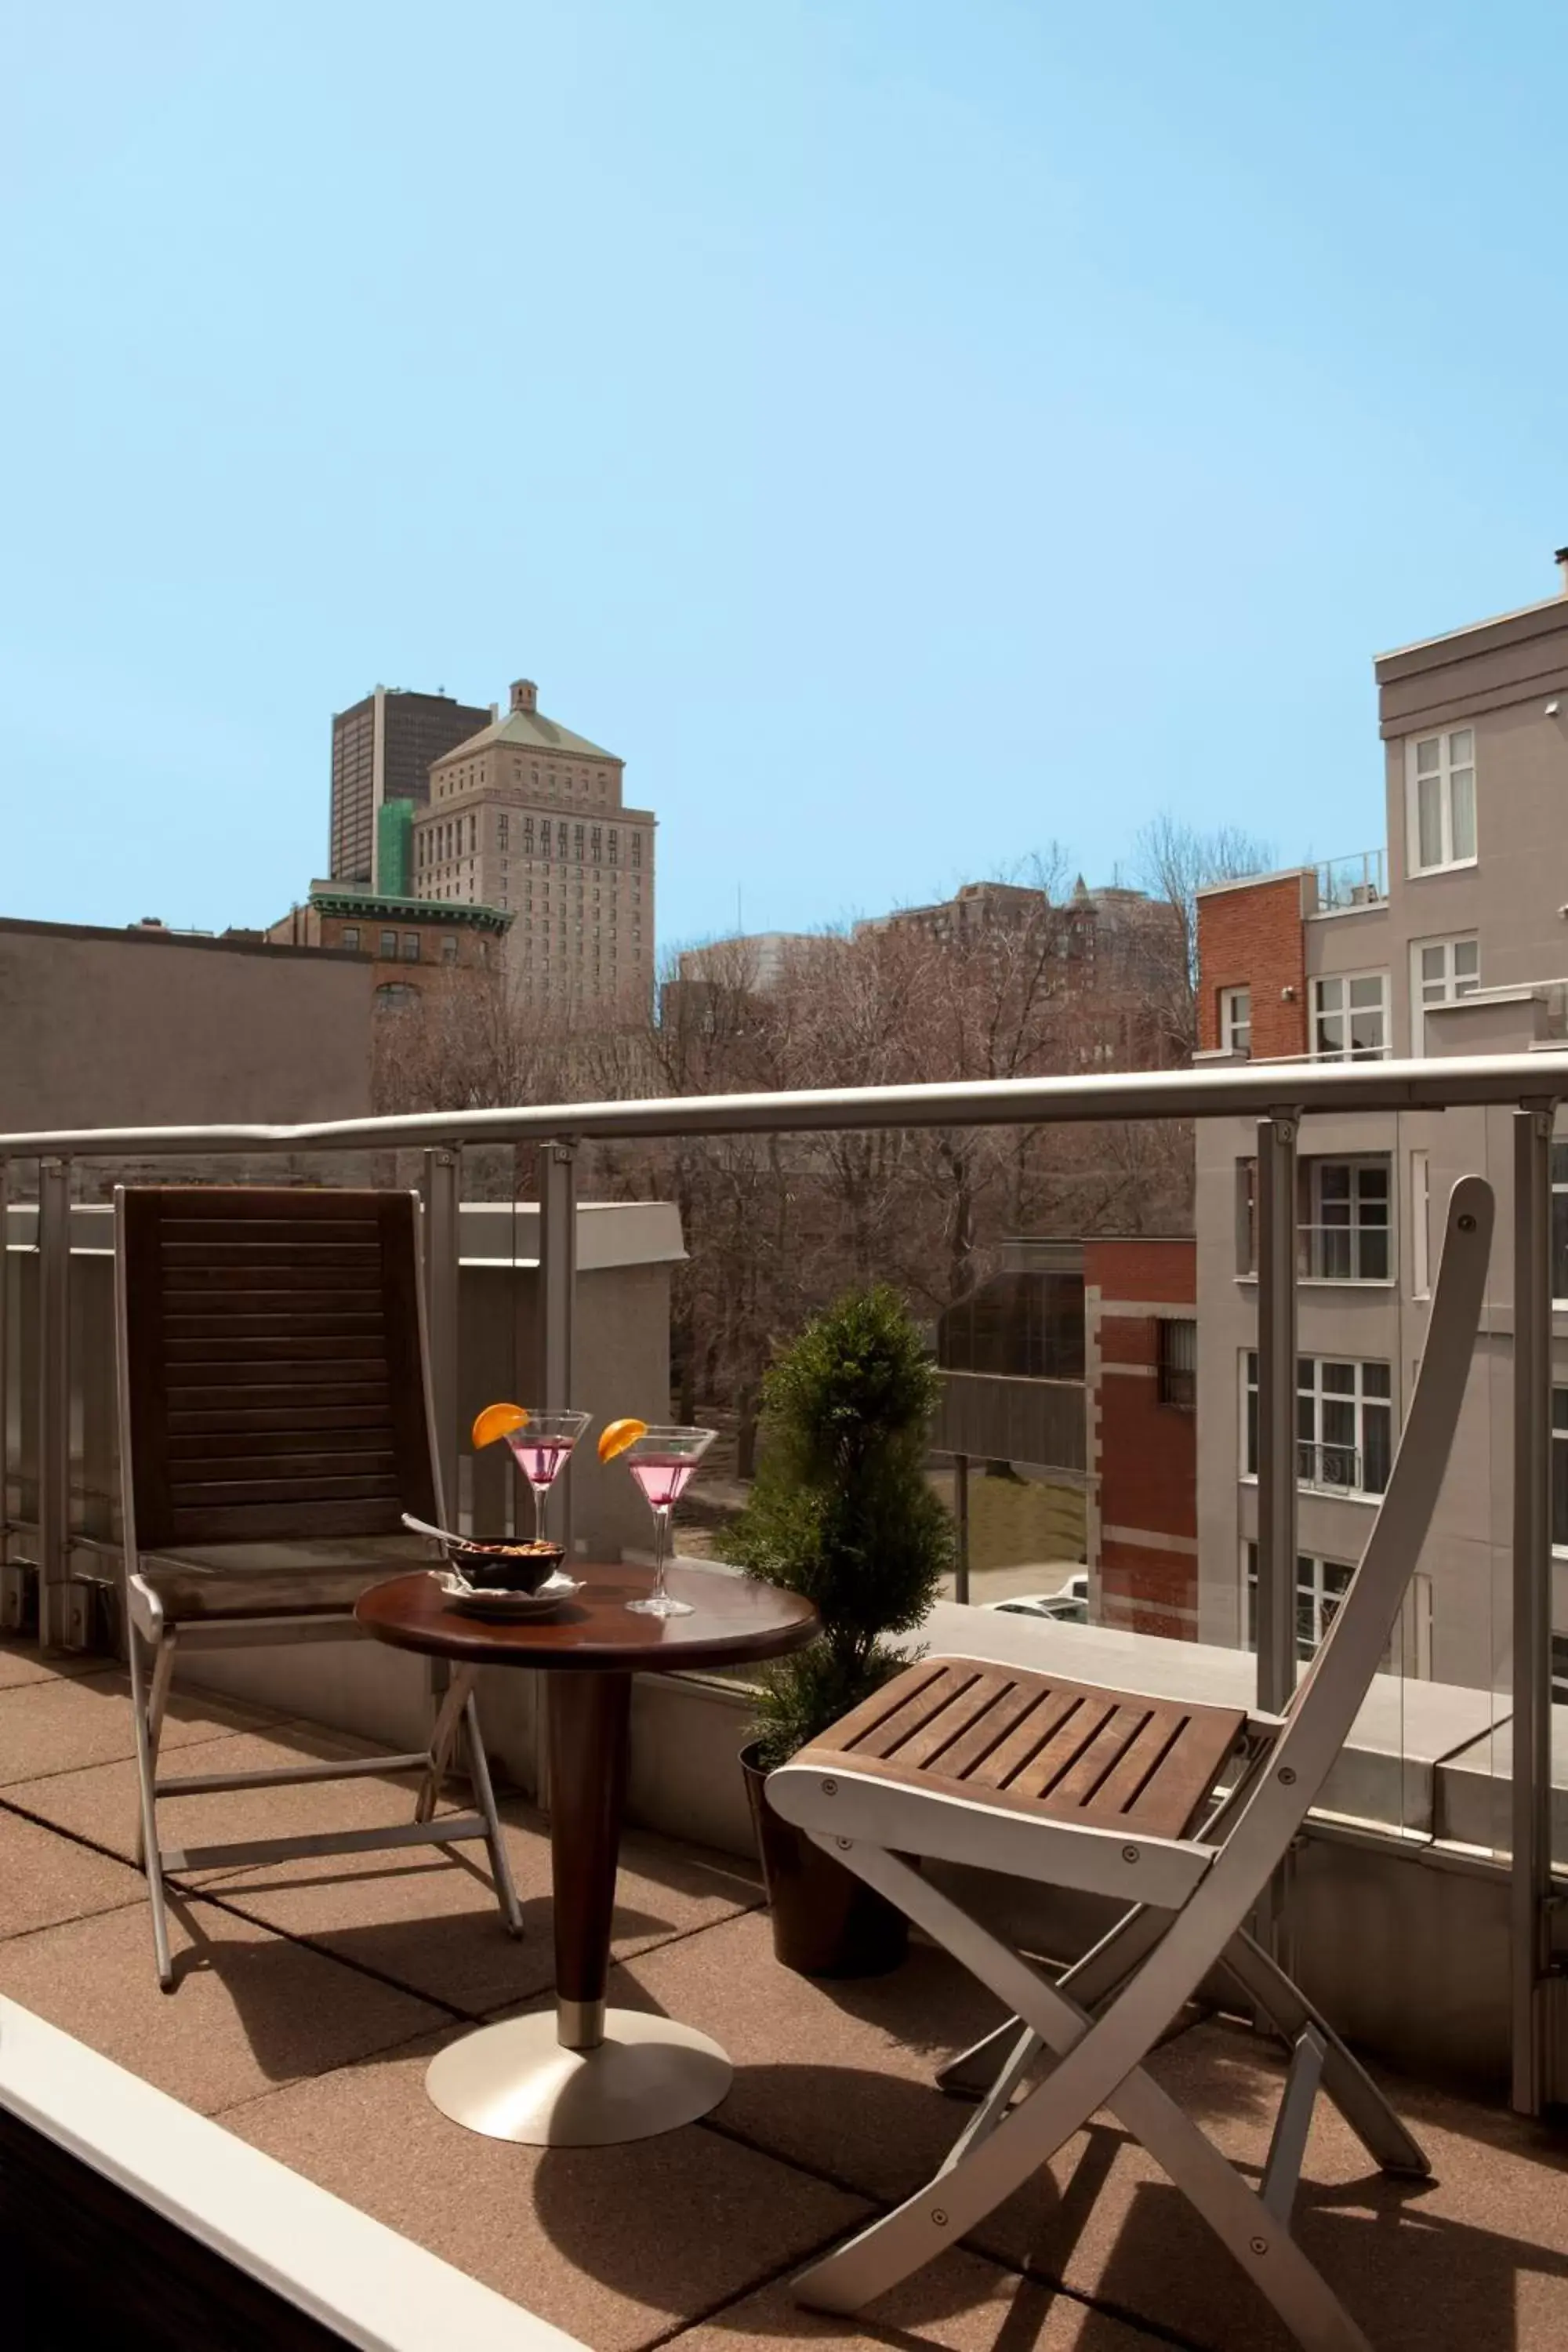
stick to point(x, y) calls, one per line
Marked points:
point(310, 1995)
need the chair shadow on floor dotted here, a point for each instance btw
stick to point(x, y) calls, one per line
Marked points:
point(461, 1962)
point(1418, 2280)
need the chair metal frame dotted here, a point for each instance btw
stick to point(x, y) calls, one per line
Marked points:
point(1189, 1902)
point(152, 1637)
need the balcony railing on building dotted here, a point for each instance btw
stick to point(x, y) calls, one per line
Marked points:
point(1342, 1253)
point(1358, 880)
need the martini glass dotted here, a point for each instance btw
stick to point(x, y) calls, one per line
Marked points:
point(540, 1448)
point(663, 1462)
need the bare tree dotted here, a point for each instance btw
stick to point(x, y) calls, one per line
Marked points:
point(1174, 861)
point(1037, 976)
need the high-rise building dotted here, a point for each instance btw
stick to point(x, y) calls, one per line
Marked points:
point(526, 816)
point(382, 751)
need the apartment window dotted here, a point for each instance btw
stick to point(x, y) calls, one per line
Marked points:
point(410, 946)
point(528, 837)
point(1441, 972)
point(449, 950)
point(1560, 1469)
point(577, 843)
point(561, 838)
point(614, 846)
point(1320, 1586)
point(1347, 1233)
point(395, 996)
point(1420, 1230)
point(350, 936)
point(636, 849)
point(1176, 1362)
point(1441, 799)
point(1246, 1216)
point(1350, 1017)
point(595, 842)
point(389, 947)
point(1560, 1223)
point(502, 828)
point(1236, 1020)
point(1344, 1423)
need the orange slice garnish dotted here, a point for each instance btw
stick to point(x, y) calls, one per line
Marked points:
point(497, 1421)
point(618, 1436)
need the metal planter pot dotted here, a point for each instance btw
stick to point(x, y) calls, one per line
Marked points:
point(826, 1922)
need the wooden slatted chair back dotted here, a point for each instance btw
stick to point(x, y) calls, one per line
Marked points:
point(276, 1363)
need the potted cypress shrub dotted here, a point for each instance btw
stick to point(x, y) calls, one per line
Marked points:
point(843, 1513)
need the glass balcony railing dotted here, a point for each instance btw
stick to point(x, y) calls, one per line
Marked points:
point(1104, 1479)
point(1359, 880)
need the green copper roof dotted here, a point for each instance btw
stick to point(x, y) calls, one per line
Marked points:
point(329, 898)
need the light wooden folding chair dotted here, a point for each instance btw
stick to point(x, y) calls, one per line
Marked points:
point(274, 1423)
point(1115, 1795)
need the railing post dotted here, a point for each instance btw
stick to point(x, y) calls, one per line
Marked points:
point(1276, 1456)
point(442, 1185)
point(961, 1517)
point(1531, 1795)
point(62, 1616)
point(557, 1293)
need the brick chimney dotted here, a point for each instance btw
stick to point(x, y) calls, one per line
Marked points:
point(525, 694)
point(1561, 560)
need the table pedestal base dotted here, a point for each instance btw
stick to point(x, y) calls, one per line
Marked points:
point(515, 2082)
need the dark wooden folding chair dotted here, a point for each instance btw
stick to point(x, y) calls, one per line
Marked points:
point(274, 1423)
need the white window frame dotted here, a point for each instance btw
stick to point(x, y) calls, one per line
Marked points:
point(1320, 1583)
point(1236, 1020)
point(1357, 1225)
point(1443, 760)
point(1314, 1404)
point(1420, 1224)
point(1560, 1471)
point(1347, 1011)
point(1453, 983)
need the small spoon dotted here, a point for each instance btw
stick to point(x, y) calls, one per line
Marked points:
point(423, 1527)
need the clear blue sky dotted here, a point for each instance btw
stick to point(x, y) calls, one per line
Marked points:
point(906, 433)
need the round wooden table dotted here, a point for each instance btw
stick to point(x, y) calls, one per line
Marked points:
point(587, 2076)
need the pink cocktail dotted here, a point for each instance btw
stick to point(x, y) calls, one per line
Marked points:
point(663, 1479)
point(540, 1448)
point(663, 1462)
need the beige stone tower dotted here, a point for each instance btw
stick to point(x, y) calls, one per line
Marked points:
point(527, 816)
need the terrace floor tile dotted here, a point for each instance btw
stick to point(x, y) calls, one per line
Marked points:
point(617, 2245)
point(248, 2010)
point(65, 1722)
point(45, 1878)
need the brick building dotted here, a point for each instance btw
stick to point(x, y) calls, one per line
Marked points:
point(1140, 1312)
point(416, 945)
point(1252, 959)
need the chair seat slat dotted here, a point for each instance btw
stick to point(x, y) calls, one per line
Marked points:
point(923, 1692)
point(1035, 1742)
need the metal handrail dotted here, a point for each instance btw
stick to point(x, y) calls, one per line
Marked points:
point(1313, 1460)
point(1236, 1091)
